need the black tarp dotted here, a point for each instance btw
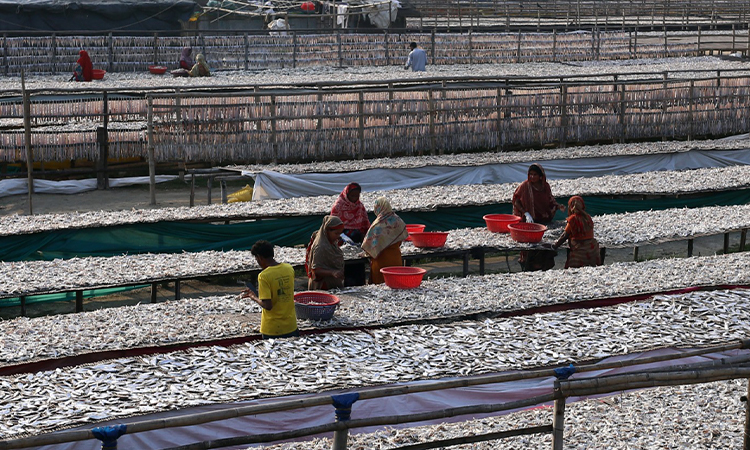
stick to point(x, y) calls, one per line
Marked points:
point(94, 15)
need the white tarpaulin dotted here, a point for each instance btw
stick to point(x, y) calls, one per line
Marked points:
point(18, 186)
point(274, 185)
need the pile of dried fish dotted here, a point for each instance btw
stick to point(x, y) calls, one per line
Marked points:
point(688, 67)
point(612, 231)
point(700, 417)
point(422, 199)
point(39, 402)
point(192, 320)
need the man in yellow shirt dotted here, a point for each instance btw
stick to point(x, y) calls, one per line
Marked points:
point(275, 294)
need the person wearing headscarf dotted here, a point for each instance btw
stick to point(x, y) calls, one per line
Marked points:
point(84, 70)
point(324, 260)
point(186, 58)
point(533, 202)
point(352, 212)
point(534, 196)
point(200, 68)
point(382, 242)
point(579, 231)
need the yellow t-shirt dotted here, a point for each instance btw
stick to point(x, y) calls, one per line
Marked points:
point(277, 284)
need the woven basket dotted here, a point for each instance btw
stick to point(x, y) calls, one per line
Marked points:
point(315, 305)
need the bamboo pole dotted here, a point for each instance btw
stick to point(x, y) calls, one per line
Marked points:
point(746, 440)
point(474, 438)
point(558, 419)
point(603, 385)
point(27, 140)
point(373, 421)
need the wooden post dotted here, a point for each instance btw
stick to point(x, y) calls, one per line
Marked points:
point(110, 52)
point(151, 156)
point(192, 189)
point(699, 39)
point(23, 305)
point(743, 238)
point(156, 48)
point(27, 140)
point(466, 256)
point(726, 243)
point(79, 301)
point(154, 287)
point(272, 110)
point(431, 119)
point(635, 253)
point(623, 123)
point(385, 45)
point(518, 48)
point(471, 56)
point(361, 127)
point(177, 294)
point(209, 186)
point(294, 49)
point(558, 420)
point(563, 115)
point(554, 45)
point(102, 178)
point(690, 248)
point(691, 109)
point(341, 56)
point(247, 52)
point(223, 184)
point(498, 111)
point(746, 440)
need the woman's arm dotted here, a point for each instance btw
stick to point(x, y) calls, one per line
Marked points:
point(322, 273)
point(560, 241)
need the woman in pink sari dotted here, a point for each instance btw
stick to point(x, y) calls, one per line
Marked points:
point(584, 249)
point(352, 212)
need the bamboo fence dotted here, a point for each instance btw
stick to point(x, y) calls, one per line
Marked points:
point(385, 119)
point(246, 51)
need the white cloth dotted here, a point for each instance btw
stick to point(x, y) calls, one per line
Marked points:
point(342, 16)
point(273, 185)
point(382, 14)
point(278, 24)
point(18, 186)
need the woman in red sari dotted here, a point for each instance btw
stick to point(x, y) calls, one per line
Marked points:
point(534, 197)
point(584, 249)
point(84, 70)
point(352, 212)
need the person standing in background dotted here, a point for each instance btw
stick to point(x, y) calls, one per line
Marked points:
point(417, 59)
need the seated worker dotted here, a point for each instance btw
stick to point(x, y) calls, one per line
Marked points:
point(533, 201)
point(275, 294)
point(383, 240)
point(352, 212)
point(186, 59)
point(324, 260)
point(84, 70)
point(200, 68)
point(584, 249)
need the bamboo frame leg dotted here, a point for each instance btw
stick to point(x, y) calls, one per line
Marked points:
point(154, 287)
point(192, 190)
point(79, 301)
point(726, 243)
point(177, 295)
point(339, 439)
point(466, 264)
point(481, 261)
point(690, 248)
point(23, 305)
point(558, 422)
point(743, 238)
point(635, 254)
point(746, 442)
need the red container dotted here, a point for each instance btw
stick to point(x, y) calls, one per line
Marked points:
point(401, 277)
point(429, 239)
point(98, 74)
point(530, 233)
point(157, 70)
point(498, 223)
point(314, 305)
point(414, 228)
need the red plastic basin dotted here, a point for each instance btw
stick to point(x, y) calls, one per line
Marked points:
point(157, 70)
point(414, 228)
point(498, 223)
point(429, 239)
point(401, 277)
point(98, 74)
point(530, 233)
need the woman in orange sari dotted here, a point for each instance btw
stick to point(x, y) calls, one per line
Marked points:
point(383, 240)
point(584, 249)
